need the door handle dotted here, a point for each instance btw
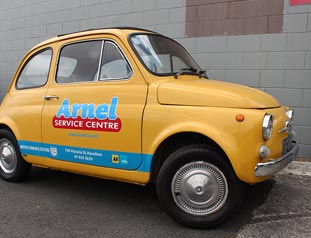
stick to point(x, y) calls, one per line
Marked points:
point(50, 97)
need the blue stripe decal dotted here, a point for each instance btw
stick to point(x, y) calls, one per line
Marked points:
point(104, 158)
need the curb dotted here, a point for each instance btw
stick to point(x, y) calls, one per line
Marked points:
point(298, 168)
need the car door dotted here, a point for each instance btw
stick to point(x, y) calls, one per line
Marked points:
point(93, 111)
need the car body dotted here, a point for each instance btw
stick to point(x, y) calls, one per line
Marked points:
point(132, 105)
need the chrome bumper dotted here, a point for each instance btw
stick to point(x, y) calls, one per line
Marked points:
point(272, 167)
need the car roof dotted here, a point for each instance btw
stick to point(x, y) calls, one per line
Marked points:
point(114, 31)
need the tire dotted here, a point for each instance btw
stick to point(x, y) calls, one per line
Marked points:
point(198, 187)
point(13, 167)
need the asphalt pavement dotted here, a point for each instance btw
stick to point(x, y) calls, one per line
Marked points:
point(59, 204)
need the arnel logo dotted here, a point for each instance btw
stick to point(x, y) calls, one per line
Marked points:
point(88, 116)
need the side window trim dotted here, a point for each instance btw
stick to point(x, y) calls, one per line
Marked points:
point(100, 60)
point(32, 56)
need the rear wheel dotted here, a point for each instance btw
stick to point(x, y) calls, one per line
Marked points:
point(197, 187)
point(12, 165)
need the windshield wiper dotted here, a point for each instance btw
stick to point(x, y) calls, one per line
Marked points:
point(185, 70)
point(191, 70)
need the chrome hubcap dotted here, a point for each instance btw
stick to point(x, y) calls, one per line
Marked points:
point(7, 156)
point(199, 188)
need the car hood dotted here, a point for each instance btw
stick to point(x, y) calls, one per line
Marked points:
point(211, 93)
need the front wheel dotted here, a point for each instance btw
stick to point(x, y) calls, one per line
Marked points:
point(12, 165)
point(197, 187)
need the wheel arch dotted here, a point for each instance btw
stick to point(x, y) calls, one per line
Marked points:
point(13, 167)
point(176, 141)
point(6, 127)
point(9, 124)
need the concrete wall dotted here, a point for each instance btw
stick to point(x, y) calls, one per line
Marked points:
point(278, 63)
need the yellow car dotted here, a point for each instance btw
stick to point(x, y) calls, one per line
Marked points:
point(132, 105)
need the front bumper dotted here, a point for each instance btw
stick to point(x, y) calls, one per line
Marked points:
point(272, 167)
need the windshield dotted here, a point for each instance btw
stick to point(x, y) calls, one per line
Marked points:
point(161, 55)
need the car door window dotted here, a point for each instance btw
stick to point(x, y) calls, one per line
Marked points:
point(114, 65)
point(36, 70)
point(78, 62)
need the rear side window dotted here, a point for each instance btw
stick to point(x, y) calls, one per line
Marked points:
point(78, 62)
point(35, 72)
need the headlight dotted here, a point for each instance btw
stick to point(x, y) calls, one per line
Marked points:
point(267, 126)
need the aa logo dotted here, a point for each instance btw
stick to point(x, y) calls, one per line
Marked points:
point(115, 159)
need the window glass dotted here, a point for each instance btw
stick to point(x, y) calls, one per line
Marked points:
point(67, 66)
point(35, 72)
point(113, 65)
point(78, 62)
